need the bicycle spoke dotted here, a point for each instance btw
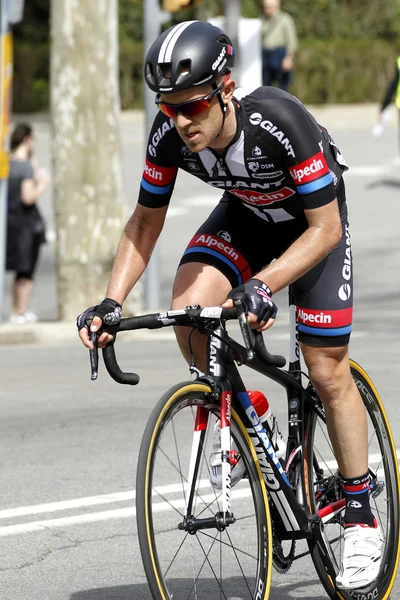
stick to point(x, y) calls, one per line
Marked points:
point(196, 577)
point(238, 562)
point(178, 457)
point(326, 491)
point(176, 554)
point(210, 565)
point(194, 559)
point(184, 480)
point(231, 546)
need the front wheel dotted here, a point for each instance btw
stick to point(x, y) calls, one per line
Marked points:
point(232, 562)
point(324, 493)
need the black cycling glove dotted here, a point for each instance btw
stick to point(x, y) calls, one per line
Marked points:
point(109, 312)
point(257, 296)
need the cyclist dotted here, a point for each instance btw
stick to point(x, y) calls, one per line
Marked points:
point(283, 198)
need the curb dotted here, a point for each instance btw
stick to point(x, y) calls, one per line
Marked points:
point(58, 333)
point(38, 333)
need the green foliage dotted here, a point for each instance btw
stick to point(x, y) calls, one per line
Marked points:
point(35, 26)
point(345, 19)
point(335, 70)
point(348, 19)
point(131, 74)
point(251, 8)
point(31, 77)
point(130, 14)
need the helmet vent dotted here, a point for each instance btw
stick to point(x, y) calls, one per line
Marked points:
point(223, 39)
point(184, 70)
point(149, 74)
point(165, 70)
point(164, 74)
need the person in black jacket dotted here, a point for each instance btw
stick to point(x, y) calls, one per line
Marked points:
point(25, 225)
point(392, 91)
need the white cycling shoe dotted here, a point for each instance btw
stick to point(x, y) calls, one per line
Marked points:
point(361, 557)
point(215, 470)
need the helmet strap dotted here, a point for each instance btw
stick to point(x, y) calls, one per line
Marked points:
point(223, 108)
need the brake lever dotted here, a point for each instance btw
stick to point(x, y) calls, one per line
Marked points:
point(94, 356)
point(247, 334)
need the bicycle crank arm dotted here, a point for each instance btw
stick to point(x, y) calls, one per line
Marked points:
point(220, 521)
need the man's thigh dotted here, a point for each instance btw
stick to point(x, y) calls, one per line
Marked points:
point(199, 283)
point(324, 299)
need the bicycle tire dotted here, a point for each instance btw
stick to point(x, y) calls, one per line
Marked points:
point(386, 506)
point(161, 543)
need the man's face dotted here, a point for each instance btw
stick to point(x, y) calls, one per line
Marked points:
point(271, 7)
point(197, 132)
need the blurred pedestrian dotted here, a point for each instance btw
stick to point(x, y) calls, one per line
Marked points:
point(25, 225)
point(392, 91)
point(279, 43)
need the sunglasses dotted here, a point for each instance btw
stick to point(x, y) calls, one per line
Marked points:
point(192, 108)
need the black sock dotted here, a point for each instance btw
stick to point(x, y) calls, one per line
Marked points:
point(356, 493)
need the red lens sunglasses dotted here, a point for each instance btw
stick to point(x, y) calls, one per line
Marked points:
point(192, 108)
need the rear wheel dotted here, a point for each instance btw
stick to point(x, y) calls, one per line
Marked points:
point(231, 563)
point(324, 489)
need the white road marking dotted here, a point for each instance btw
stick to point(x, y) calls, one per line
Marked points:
point(119, 513)
point(203, 200)
point(176, 211)
point(368, 171)
point(66, 505)
point(51, 507)
point(36, 526)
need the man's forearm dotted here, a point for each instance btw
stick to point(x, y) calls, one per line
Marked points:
point(133, 254)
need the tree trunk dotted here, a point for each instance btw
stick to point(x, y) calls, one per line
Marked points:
point(90, 208)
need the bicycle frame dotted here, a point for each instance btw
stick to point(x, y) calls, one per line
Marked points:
point(222, 375)
point(221, 369)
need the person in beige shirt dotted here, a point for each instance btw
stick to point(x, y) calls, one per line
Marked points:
point(279, 43)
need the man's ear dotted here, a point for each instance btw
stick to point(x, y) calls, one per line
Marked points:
point(227, 91)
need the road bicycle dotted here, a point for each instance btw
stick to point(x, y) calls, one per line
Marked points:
point(205, 542)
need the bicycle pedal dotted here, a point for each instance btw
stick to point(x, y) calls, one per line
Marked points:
point(377, 489)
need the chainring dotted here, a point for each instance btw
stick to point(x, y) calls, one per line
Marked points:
point(282, 560)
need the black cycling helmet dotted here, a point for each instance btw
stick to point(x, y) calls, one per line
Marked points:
point(186, 55)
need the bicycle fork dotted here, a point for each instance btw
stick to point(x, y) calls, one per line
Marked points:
point(224, 518)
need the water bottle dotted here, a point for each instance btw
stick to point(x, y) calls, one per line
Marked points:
point(267, 418)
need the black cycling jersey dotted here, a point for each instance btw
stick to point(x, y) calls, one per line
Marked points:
point(280, 162)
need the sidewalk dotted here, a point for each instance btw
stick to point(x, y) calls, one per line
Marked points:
point(53, 333)
point(338, 116)
point(46, 333)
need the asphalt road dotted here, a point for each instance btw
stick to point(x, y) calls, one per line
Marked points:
point(69, 446)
